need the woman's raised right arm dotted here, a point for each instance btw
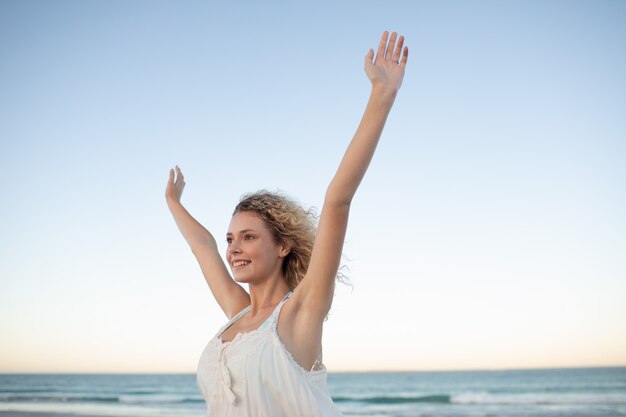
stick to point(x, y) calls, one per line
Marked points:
point(231, 297)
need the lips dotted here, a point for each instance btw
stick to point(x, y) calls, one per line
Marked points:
point(238, 264)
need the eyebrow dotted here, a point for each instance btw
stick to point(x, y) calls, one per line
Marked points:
point(240, 232)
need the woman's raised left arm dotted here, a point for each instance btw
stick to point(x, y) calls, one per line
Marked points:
point(386, 71)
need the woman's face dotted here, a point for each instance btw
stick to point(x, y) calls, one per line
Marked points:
point(252, 254)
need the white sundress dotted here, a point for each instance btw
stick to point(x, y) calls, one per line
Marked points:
point(255, 376)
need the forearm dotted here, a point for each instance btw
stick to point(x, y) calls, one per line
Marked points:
point(194, 233)
point(361, 149)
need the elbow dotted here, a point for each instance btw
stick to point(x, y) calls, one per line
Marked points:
point(337, 202)
point(336, 198)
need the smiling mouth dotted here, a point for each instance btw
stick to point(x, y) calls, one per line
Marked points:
point(237, 264)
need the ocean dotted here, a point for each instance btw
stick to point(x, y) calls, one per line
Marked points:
point(588, 392)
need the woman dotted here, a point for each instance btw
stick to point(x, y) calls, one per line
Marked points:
point(266, 361)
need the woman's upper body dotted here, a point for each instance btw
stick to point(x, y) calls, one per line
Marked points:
point(255, 375)
point(262, 253)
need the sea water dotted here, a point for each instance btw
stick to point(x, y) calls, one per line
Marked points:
point(577, 392)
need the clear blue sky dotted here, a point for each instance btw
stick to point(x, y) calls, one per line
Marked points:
point(488, 233)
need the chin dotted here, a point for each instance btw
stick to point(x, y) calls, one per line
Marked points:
point(243, 279)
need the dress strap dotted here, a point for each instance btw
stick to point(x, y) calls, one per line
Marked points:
point(233, 320)
point(273, 318)
point(272, 322)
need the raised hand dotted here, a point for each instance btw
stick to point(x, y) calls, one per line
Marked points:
point(387, 70)
point(174, 189)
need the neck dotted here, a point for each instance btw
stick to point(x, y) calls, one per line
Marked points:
point(267, 294)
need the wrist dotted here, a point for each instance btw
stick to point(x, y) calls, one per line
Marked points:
point(384, 92)
point(172, 202)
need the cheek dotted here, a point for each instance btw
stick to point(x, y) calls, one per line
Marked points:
point(265, 253)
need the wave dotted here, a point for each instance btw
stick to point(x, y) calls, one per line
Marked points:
point(465, 398)
point(538, 398)
point(485, 398)
point(123, 399)
point(439, 399)
point(157, 399)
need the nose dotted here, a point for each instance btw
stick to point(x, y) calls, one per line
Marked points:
point(233, 248)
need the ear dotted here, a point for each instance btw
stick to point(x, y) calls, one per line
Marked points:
point(284, 250)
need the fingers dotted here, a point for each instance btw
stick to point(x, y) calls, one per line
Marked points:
point(390, 48)
point(394, 52)
point(405, 56)
point(175, 185)
point(369, 57)
point(180, 178)
point(398, 50)
point(381, 46)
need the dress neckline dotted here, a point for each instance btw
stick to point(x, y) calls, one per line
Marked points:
point(243, 313)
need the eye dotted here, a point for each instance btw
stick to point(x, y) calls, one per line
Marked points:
point(248, 237)
point(229, 240)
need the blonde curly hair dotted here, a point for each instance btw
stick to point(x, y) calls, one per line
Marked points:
point(290, 224)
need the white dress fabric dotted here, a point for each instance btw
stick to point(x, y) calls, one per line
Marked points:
point(254, 375)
